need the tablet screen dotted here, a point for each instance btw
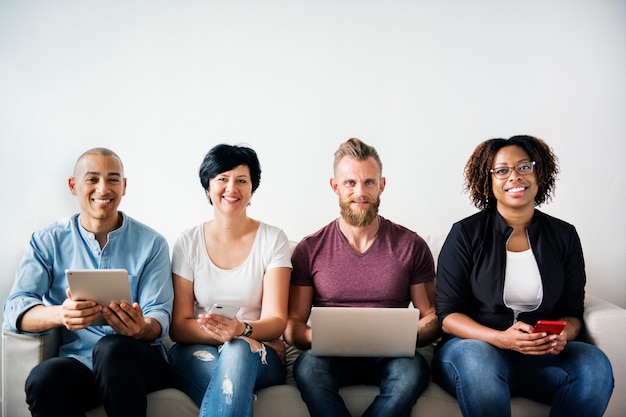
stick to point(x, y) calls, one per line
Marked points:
point(104, 286)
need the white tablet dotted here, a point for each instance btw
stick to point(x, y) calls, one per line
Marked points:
point(104, 286)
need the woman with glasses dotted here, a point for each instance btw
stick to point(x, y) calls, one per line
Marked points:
point(499, 272)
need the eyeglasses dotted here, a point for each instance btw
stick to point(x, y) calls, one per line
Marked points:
point(523, 168)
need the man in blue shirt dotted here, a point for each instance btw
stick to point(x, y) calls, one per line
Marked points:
point(116, 364)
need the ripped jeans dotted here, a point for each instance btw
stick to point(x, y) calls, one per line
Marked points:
point(221, 380)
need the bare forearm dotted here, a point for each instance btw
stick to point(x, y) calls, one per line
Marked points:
point(429, 330)
point(461, 325)
point(41, 318)
point(298, 334)
point(268, 328)
point(189, 331)
point(152, 330)
point(572, 327)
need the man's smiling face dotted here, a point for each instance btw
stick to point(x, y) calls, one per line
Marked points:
point(99, 184)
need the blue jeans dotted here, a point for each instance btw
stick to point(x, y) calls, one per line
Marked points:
point(483, 378)
point(401, 381)
point(221, 381)
point(124, 371)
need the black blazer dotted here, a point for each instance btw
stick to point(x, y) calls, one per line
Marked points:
point(472, 262)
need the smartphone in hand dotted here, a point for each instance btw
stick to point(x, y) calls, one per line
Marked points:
point(549, 326)
point(224, 310)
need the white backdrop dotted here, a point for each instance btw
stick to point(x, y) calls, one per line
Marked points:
point(161, 82)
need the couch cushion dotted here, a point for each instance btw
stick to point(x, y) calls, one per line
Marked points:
point(164, 403)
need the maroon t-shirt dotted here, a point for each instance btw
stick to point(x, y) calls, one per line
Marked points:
point(379, 277)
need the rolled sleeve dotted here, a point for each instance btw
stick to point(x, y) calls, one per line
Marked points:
point(155, 292)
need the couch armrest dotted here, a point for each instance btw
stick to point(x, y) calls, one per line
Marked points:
point(604, 327)
point(20, 354)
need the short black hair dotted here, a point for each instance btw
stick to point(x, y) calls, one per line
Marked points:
point(223, 157)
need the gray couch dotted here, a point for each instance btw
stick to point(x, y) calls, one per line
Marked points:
point(604, 328)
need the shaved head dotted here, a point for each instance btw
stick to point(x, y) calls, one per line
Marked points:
point(98, 151)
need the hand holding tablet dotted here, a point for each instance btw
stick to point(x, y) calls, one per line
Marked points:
point(104, 286)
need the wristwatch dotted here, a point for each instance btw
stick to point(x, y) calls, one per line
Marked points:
point(247, 332)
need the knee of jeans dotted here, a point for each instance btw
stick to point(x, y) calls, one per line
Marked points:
point(244, 344)
point(468, 355)
point(38, 375)
point(203, 355)
point(410, 370)
point(595, 365)
point(113, 346)
point(258, 347)
point(308, 366)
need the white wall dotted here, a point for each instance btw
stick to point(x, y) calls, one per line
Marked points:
point(161, 82)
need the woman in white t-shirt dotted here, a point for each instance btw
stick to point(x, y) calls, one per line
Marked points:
point(237, 261)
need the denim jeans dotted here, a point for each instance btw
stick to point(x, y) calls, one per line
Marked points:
point(221, 381)
point(401, 381)
point(576, 382)
point(124, 371)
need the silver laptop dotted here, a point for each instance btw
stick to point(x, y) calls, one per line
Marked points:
point(364, 331)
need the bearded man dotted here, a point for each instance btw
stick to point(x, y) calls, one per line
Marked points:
point(360, 260)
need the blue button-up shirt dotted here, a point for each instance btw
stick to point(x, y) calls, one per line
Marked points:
point(65, 244)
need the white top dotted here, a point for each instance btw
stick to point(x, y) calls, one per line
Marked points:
point(523, 290)
point(241, 286)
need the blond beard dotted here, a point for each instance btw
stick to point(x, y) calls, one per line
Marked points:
point(359, 218)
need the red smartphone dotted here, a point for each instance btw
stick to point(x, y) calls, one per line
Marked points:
point(549, 326)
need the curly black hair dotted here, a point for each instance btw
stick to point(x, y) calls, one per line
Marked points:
point(478, 176)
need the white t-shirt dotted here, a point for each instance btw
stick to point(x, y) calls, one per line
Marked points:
point(241, 286)
point(523, 289)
